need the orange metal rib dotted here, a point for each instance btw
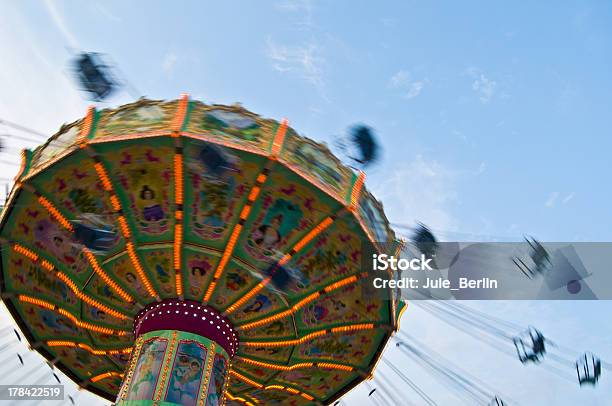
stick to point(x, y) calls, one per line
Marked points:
point(98, 270)
point(106, 375)
point(238, 399)
point(181, 112)
point(310, 336)
point(270, 387)
point(356, 192)
point(125, 230)
point(279, 138)
point(328, 365)
point(86, 127)
point(329, 288)
point(91, 350)
point(138, 267)
point(55, 213)
point(297, 247)
point(229, 248)
point(70, 316)
point(245, 379)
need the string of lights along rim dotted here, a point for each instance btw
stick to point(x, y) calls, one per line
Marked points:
point(173, 252)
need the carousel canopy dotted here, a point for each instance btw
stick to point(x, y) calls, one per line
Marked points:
point(207, 203)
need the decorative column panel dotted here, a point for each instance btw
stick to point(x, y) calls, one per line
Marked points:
point(176, 365)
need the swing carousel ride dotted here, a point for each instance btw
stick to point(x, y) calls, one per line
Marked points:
point(183, 253)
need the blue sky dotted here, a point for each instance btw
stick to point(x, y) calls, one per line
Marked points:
point(494, 118)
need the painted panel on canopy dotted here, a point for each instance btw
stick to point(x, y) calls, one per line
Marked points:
point(212, 205)
point(264, 303)
point(334, 255)
point(371, 213)
point(73, 185)
point(82, 362)
point(34, 226)
point(27, 277)
point(232, 125)
point(272, 354)
point(110, 340)
point(278, 397)
point(144, 180)
point(315, 160)
point(353, 347)
point(186, 373)
point(198, 268)
point(65, 138)
point(139, 117)
point(109, 385)
point(278, 329)
point(260, 374)
point(286, 210)
point(120, 268)
point(121, 360)
point(99, 317)
point(236, 281)
point(318, 382)
point(159, 261)
point(236, 386)
point(97, 289)
point(351, 304)
point(45, 324)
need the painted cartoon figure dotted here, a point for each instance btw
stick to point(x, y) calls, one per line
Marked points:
point(318, 313)
point(147, 370)
point(49, 237)
point(214, 199)
point(267, 235)
point(135, 283)
point(152, 211)
point(97, 314)
point(274, 328)
point(282, 218)
point(331, 346)
point(184, 385)
point(162, 274)
point(198, 269)
point(235, 281)
point(39, 280)
point(262, 302)
point(58, 324)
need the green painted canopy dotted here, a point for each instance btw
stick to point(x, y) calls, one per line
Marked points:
point(290, 198)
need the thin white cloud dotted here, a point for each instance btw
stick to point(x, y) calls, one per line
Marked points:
point(60, 24)
point(169, 62)
point(303, 8)
point(410, 88)
point(303, 60)
point(567, 198)
point(421, 190)
point(552, 199)
point(484, 87)
point(107, 13)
